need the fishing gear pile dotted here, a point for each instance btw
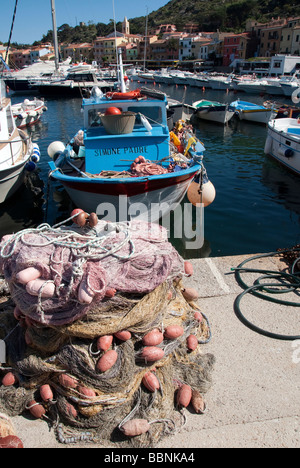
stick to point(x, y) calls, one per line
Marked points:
point(103, 340)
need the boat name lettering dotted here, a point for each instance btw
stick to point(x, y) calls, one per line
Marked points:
point(117, 151)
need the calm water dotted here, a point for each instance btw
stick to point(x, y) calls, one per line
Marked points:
point(257, 207)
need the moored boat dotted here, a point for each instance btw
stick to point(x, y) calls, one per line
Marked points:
point(213, 111)
point(254, 112)
point(123, 160)
point(16, 150)
point(283, 142)
point(28, 112)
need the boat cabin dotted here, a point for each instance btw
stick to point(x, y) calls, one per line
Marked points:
point(109, 146)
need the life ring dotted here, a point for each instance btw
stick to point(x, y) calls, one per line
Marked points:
point(124, 96)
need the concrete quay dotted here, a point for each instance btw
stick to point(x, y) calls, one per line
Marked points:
point(254, 398)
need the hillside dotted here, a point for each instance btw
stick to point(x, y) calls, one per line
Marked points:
point(226, 15)
point(209, 15)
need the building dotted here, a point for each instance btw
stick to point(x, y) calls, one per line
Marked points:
point(284, 65)
point(105, 47)
point(125, 26)
point(235, 47)
point(38, 53)
point(78, 52)
point(19, 58)
point(164, 50)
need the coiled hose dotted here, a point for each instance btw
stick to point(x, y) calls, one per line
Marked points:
point(287, 282)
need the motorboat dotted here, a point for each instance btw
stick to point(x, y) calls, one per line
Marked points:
point(198, 81)
point(123, 160)
point(289, 85)
point(255, 86)
point(17, 152)
point(213, 111)
point(254, 112)
point(283, 142)
point(163, 77)
point(77, 83)
point(221, 82)
point(28, 112)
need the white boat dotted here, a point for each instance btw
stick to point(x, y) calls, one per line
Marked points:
point(273, 86)
point(28, 112)
point(213, 111)
point(254, 112)
point(16, 150)
point(283, 142)
point(163, 77)
point(252, 86)
point(199, 81)
point(289, 85)
point(221, 82)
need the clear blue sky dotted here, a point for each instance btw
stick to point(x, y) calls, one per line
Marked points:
point(33, 18)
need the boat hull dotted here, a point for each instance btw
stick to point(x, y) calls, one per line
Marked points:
point(215, 115)
point(258, 116)
point(11, 180)
point(283, 146)
point(146, 198)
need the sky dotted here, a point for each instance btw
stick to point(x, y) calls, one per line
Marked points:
point(33, 17)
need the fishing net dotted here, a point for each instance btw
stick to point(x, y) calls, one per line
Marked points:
point(135, 281)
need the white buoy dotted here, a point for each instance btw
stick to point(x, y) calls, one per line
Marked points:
point(199, 197)
point(55, 147)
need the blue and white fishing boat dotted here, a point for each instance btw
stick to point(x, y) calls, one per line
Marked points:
point(126, 162)
point(254, 112)
point(283, 142)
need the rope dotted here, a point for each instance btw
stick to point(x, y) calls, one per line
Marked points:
point(288, 282)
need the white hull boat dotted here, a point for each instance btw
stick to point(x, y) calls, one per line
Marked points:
point(28, 112)
point(213, 111)
point(283, 142)
point(17, 152)
point(254, 112)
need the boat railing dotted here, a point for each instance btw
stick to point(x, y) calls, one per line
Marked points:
point(13, 156)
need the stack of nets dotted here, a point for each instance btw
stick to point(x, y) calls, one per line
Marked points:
point(133, 277)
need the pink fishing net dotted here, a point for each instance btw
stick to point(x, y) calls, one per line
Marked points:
point(132, 258)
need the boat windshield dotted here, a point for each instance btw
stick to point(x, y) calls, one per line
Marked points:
point(152, 113)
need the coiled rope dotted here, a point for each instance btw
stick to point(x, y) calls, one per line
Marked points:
point(285, 283)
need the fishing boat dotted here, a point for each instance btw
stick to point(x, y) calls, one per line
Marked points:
point(254, 112)
point(17, 153)
point(283, 142)
point(213, 111)
point(123, 159)
point(28, 112)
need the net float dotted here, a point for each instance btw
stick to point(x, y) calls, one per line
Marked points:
point(29, 274)
point(9, 379)
point(198, 402)
point(71, 411)
point(104, 342)
point(190, 294)
point(67, 381)
point(153, 338)
point(152, 353)
point(37, 410)
point(198, 316)
point(151, 382)
point(188, 268)
point(192, 342)
point(184, 396)
point(173, 332)
point(135, 427)
point(46, 393)
point(93, 220)
point(86, 392)
point(107, 361)
point(123, 335)
point(10, 441)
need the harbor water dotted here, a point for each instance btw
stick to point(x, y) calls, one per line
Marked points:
point(257, 205)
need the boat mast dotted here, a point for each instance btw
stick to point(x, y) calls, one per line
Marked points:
point(55, 40)
point(146, 34)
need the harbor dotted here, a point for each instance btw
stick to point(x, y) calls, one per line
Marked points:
point(149, 245)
